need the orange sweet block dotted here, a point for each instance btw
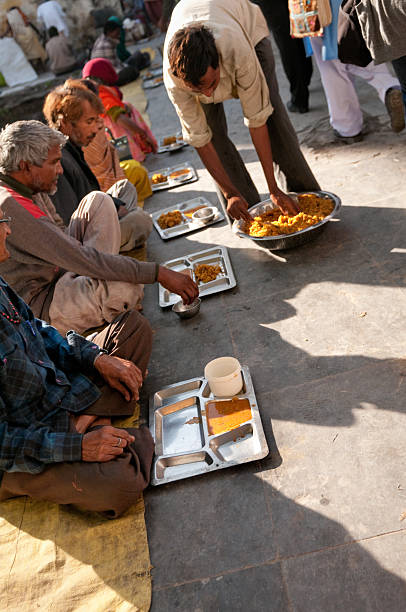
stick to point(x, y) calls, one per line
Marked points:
point(169, 140)
point(188, 213)
point(225, 415)
point(181, 172)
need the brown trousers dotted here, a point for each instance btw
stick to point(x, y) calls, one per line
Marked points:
point(110, 487)
point(291, 168)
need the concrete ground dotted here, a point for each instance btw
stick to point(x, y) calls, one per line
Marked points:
point(317, 525)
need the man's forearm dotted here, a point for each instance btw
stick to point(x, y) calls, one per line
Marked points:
point(211, 160)
point(262, 144)
point(128, 123)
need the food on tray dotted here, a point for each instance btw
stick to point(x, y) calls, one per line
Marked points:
point(169, 140)
point(170, 219)
point(313, 209)
point(158, 178)
point(205, 273)
point(177, 173)
point(188, 213)
point(226, 415)
point(158, 79)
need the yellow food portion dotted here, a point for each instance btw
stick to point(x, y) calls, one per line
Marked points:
point(313, 209)
point(174, 217)
point(205, 273)
point(158, 178)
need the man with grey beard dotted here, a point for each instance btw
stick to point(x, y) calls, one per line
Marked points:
point(72, 277)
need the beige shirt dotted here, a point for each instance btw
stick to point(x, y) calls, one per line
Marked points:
point(237, 26)
point(59, 53)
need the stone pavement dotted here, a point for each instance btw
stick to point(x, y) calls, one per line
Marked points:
point(317, 525)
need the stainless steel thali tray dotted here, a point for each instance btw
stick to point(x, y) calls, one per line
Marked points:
point(288, 241)
point(175, 146)
point(152, 73)
point(171, 182)
point(154, 82)
point(214, 256)
point(188, 224)
point(183, 445)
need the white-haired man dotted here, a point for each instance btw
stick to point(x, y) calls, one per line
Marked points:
point(72, 277)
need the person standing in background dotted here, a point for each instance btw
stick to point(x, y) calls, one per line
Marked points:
point(344, 108)
point(50, 13)
point(383, 24)
point(26, 36)
point(298, 68)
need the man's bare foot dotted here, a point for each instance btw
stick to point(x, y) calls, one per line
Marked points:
point(84, 421)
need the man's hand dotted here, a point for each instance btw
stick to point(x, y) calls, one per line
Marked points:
point(152, 143)
point(105, 443)
point(237, 208)
point(287, 205)
point(122, 212)
point(178, 283)
point(120, 374)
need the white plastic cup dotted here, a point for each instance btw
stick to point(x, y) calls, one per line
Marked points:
point(224, 376)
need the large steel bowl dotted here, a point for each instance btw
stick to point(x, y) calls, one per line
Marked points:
point(288, 241)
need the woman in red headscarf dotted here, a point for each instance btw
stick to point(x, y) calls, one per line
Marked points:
point(121, 118)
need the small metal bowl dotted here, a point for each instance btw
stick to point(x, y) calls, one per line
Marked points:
point(187, 311)
point(204, 215)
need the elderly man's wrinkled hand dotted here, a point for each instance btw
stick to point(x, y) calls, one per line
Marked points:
point(287, 204)
point(237, 208)
point(120, 374)
point(178, 283)
point(105, 443)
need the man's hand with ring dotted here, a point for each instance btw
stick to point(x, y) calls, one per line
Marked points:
point(105, 443)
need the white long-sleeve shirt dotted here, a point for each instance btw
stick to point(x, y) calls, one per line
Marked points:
point(52, 14)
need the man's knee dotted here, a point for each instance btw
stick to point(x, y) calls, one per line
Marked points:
point(94, 204)
point(138, 325)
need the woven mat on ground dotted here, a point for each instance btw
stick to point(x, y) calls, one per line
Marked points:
point(56, 558)
point(134, 92)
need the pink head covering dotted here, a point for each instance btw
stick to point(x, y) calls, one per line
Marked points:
point(100, 68)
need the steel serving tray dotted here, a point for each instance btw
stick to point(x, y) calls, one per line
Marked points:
point(152, 73)
point(175, 146)
point(183, 445)
point(215, 256)
point(188, 224)
point(288, 241)
point(154, 82)
point(174, 182)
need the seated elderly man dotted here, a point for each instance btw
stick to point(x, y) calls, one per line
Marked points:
point(53, 392)
point(74, 110)
point(71, 277)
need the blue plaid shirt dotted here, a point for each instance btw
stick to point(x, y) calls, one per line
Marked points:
point(41, 381)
